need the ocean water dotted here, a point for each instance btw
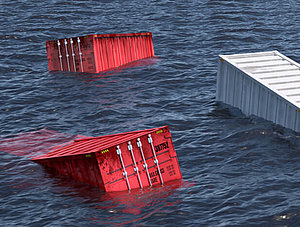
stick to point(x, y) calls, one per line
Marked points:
point(237, 170)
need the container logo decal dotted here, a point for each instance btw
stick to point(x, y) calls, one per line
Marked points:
point(161, 146)
point(159, 131)
point(104, 151)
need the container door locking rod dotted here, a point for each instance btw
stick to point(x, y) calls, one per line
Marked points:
point(78, 41)
point(67, 54)
point(124, 173)
point(155, 158)
point(73, 55)
point(60, 56)
point(135, 168)
point(139, 144)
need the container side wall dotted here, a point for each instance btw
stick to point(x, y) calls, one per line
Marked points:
point(281, 112)
point(272, 107)
point(83, 168)
point(254, 99)
point(290, 117)
point(231, 74)
point(238, 89)
point(53, 56)
point(262, 102)
point(112, 51)
point(246, 96)
point(221, 80)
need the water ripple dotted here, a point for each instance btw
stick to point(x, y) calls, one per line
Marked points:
point(237, 171)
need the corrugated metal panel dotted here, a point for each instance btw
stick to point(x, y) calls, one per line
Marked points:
point(118, 162)
point(264, 84)
point(98, 52)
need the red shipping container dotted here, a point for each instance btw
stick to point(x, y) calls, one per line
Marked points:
point(118, 162)
point(97, 53)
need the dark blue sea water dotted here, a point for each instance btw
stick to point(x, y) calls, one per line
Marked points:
point(237, 171)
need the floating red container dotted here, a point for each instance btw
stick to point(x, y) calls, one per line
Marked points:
point(96, 53)
point(118, 162)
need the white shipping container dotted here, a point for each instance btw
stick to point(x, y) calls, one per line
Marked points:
point(264, 84)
